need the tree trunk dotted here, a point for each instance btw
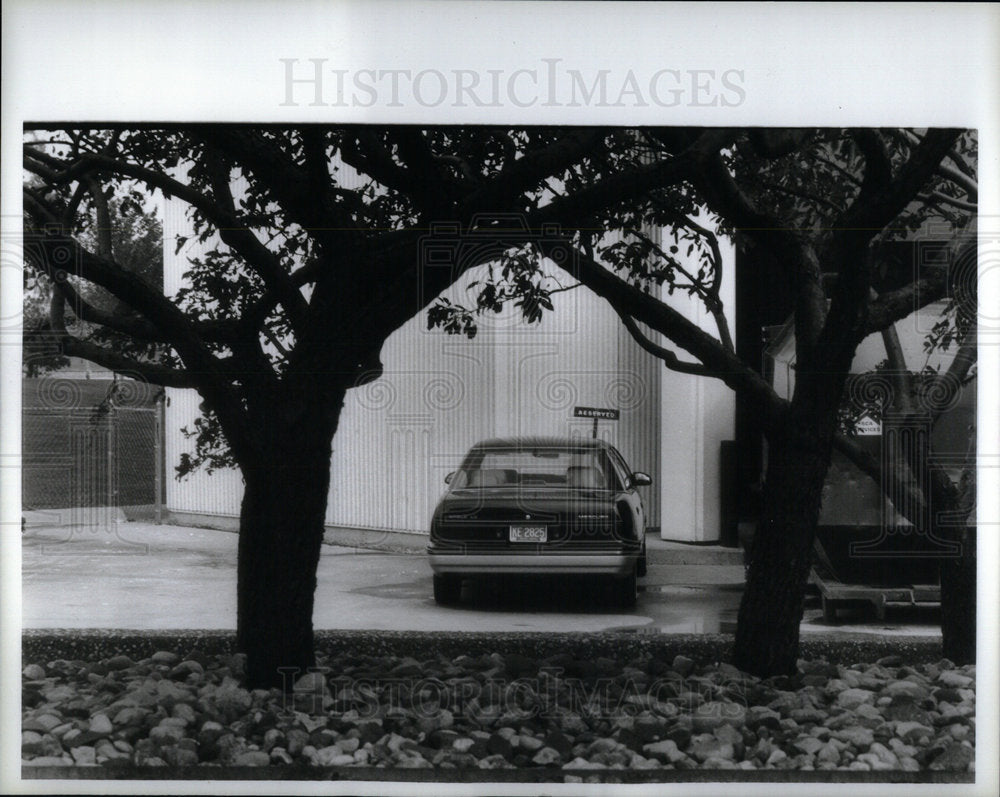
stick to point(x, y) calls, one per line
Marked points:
point(958, 600)
point(281, 534)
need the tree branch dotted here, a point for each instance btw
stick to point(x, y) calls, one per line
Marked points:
point(669, 358)
point(150, 372)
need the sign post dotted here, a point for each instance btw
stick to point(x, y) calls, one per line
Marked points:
point(596, 413)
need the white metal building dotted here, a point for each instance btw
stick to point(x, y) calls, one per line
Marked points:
point(401, 434)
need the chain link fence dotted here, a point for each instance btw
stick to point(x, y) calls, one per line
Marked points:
point(92, 462)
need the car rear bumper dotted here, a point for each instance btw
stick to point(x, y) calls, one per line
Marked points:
point(612, 563)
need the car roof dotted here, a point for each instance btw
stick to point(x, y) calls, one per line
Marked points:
point(538, 441)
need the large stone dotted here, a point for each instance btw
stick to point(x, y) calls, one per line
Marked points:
point(252, 758)
point(164, 657)
point(33, 672)
point(903, 709)
point(913, 732)
point(43, 723)
point(704, 749)
point(232, 702)
point(762, 716)
point(955, 680)
point(857, 735)
point(166, 734)
point(852, 698)
point(51, 761)
point(178, 756)
point(100, 724)
point(906, 687)
point(547, 756)
point(829, 753)
point(955, 758)
point(682, 665)
point(808, 744)
point(714, 713)
point(186, 668)
point(665, 751)
point(84, 756)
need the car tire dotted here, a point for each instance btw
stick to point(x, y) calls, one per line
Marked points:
point(447, 588)
point(640, 566)
point(626, 590)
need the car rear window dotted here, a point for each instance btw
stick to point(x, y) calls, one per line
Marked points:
point(536, 467)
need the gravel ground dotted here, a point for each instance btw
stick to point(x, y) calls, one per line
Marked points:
point(644, 707)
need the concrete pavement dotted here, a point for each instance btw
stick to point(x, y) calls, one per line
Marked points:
point(142, 576)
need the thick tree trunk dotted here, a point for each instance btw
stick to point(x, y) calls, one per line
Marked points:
point(958, 600)
point(767, 632)
point(281, 534)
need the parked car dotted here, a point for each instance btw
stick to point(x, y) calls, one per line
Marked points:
point(540, 505)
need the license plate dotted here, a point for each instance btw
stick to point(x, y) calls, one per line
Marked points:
point(528, 533)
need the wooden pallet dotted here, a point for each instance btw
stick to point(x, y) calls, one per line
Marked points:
point(835, 592)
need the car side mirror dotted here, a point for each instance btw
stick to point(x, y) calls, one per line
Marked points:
point(640, 479)
point(449, 477)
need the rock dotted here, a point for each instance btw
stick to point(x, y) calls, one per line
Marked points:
point(312, 682)
point(573, 724)
point(807, 716)
point(649, 727)
point(602, 745)
point(702, 750)
point(59, 693)
point(33, 672)
point(164, 657)
point(682, 665)
point(499, 745)
point(955, 758)
point(913, 732)
point(180, 756)
point(186, 668)
point(252, 758)
point(529, 743)
point(232, 702)
point(808, 745)
point(714, 713)
point(955, 680)
point(43, 723)
point(857, 735)
point(119, 662)
point(948, 695)
point(185, 713)
point(547, 756)
point(905, 687)
point(166, 734)
point(230, 747)
point(829, 753)
point(295, 740)
point(463, 744)
point(852, 698)
point(665, 751)
point(558, 741)
point(50, 761)
point(884, 755)
point(903, 709)
point(84, 755)
point(777, 756)
point(582, 763)
point(101, 725)
point(762, 716)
